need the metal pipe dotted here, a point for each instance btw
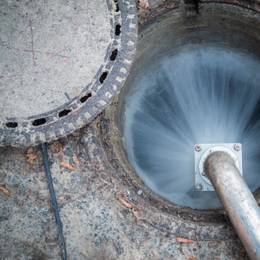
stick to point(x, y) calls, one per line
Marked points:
point(237, 199)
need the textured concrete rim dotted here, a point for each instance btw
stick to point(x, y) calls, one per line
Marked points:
point(84, 108)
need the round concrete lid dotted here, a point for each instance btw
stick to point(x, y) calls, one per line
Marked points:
point(61, 64)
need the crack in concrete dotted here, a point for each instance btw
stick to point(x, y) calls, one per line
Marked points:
point(53, 54)
point(32, 43)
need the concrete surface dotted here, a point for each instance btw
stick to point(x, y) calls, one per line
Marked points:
point(49, 52)
point(102, 45)
point(104, 217)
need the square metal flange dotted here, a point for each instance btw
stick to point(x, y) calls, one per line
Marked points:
point(202, 151)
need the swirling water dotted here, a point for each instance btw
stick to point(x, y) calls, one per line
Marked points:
point(200, 94)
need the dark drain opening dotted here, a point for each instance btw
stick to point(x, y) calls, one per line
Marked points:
point(117, 6)
point(103, 77)
point(118, 30)
point(64, 112)
point(113, 55)
point(11, 124)
point(38, 122)
point(85, 98)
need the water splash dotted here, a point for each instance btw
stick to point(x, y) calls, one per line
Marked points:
point(201, 94)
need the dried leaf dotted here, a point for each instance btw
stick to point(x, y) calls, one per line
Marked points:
point(127, 204)
point(67, 165)
point(5, 191)
point(56, 147)
point(136, 214)
point(124, 201)
point(184, 240)
point(191, 258)
point(242, 252)
point(76, 159)
point(31, 156)
point(143, 4)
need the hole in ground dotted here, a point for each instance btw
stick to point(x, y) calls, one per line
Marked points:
point(113, 54)
point(85, 98)
point(11, 124)
point(64, 112)
point(117, 6)
point(118, 29)
point(103, 77)
point(38, 122)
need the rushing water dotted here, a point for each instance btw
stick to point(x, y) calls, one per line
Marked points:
point(200, 94)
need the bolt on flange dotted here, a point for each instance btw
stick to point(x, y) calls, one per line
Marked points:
point(197, 148)
point(237, 147)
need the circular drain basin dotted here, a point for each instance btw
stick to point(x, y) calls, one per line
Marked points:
point(194, 81)
point(61, 64)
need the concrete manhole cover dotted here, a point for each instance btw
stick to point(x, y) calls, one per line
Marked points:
point(61, 64)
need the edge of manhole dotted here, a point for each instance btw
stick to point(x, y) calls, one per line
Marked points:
point(110, 136)
point(94, 98)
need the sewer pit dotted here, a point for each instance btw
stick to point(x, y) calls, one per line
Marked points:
point(90, 197)
point(193, 79)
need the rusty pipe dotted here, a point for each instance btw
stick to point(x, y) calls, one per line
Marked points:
point(237, 200)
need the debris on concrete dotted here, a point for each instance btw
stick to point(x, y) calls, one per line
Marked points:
point(56, 147)
point(67, 165)
point(123, 201)
point(95, 226)
point(31, 156)
point(5, 191)
point(143, 4)
point(184, 240)
point(127, 204)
